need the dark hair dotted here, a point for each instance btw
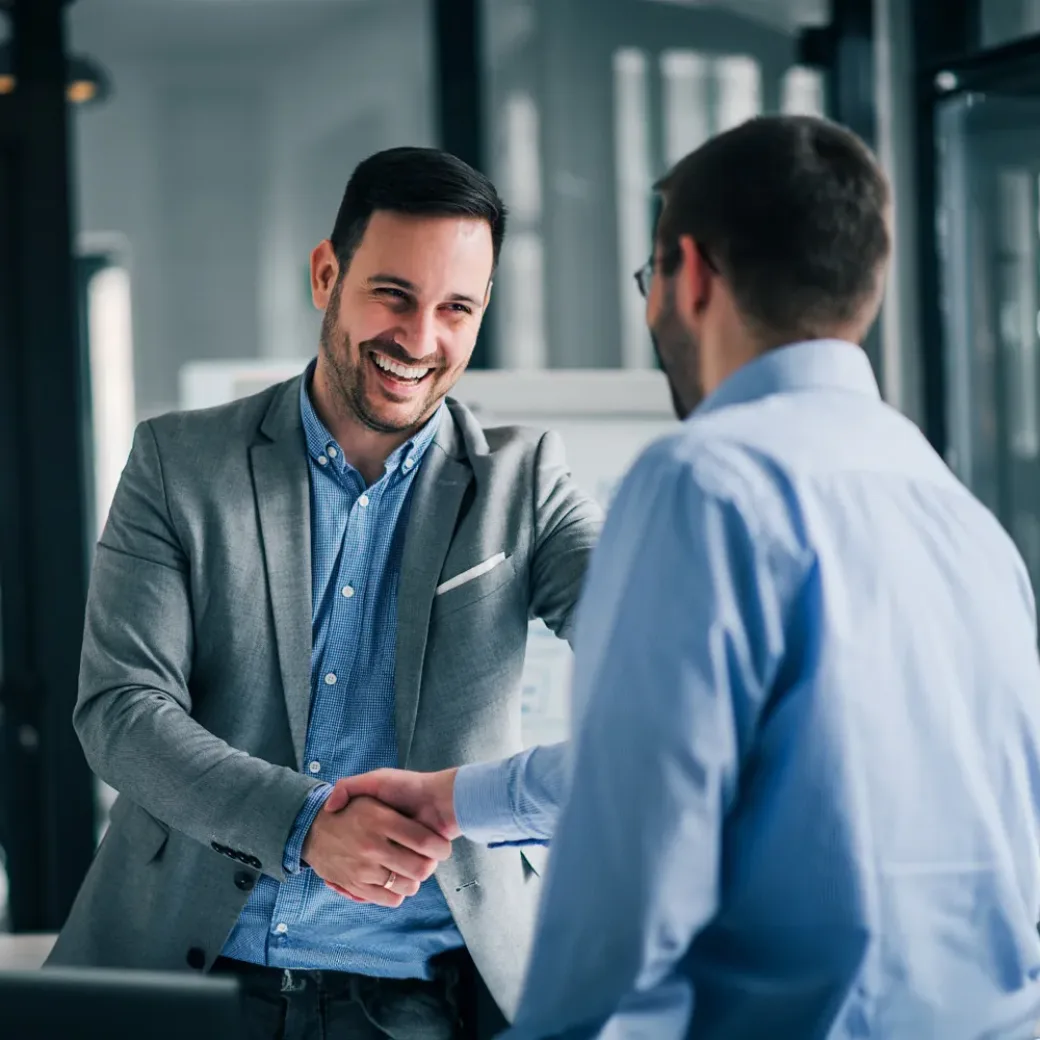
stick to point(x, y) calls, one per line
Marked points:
point(792, 211)
point(420, 181)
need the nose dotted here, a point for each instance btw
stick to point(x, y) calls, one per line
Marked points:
point(422, 334)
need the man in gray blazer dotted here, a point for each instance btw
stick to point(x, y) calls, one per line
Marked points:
point(332, 576)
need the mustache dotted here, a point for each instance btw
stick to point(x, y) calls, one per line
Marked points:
point(395, 352)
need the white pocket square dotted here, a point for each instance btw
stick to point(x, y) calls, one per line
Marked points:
point(474, 572)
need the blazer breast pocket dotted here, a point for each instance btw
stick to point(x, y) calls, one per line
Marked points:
point(473, 584)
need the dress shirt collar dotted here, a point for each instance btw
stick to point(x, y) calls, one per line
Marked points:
point(405, 459)
point(819, 364)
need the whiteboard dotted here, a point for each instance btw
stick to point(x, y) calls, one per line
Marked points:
point(605, 418)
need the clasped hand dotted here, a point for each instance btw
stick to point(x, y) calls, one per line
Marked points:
point(388, 826)
point(356, 850)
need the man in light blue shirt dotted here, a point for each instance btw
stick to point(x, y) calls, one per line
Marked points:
point(805, 780)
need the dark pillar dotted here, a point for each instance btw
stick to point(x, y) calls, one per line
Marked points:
point(47, 787)
point(458, 38)
point(939, 33)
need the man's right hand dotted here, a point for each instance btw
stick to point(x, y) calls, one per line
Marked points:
point(355, 851)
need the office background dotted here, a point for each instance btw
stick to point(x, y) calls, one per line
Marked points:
point(167, 165)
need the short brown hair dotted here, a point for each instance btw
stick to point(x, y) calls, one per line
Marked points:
point(419, 181)
point(792, 210)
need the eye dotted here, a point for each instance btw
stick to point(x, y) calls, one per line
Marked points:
point(392, 294)
point(460, 308)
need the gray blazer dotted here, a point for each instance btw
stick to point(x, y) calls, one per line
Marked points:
point(195, 678)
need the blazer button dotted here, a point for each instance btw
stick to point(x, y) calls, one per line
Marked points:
point(196, 958)
point(244, 881)
point(253, 862)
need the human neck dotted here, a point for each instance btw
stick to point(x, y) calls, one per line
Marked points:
point(720, 362)
point(364, 448)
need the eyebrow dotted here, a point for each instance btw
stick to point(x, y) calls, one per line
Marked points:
point(403, 283)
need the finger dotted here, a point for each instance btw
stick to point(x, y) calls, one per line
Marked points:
point(387, 857)
point(337, 801)
point(343, 892)
point(401, 886)
point(370, 785)
point(404, 887)
point(378, 895)
point(413, 835)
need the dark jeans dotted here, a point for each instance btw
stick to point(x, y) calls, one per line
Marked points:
point(329, 1005)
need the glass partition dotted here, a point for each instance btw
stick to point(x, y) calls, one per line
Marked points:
point(589, 102)
point(989, 238)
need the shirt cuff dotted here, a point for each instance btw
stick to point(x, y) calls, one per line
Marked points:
point(304, 818)
point(483, 803)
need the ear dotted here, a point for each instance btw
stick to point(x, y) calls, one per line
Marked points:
point(694, 277)
point(324, 274)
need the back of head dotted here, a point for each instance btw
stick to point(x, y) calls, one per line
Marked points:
point(422, 182)
point(793, 212)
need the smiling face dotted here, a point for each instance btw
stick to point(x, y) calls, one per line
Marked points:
point(401, 322)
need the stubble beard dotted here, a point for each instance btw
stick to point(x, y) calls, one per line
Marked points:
point(346, 376)
point(678, 352)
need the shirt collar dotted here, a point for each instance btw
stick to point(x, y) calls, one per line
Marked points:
point(819, 364)
point(322, 446)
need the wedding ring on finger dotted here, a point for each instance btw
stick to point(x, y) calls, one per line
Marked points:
point(390, 882)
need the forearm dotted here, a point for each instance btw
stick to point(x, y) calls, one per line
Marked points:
point(144, 745)
point(134, 714)
point(514, 801)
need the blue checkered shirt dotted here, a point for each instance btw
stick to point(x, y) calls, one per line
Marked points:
point(357, 538)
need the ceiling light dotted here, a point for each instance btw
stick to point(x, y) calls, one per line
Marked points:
point(86, 81)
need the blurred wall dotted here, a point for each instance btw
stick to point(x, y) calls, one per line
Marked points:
point(221, 157)
point(219, 166)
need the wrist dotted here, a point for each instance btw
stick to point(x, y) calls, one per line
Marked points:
point(299, 845)
point(445, 804)
point(307, 849)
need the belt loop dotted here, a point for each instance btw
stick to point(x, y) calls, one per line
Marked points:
point(291, 984)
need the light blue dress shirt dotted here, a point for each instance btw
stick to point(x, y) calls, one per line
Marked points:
point(515, 801)
point(805, 789)
point(357, 540)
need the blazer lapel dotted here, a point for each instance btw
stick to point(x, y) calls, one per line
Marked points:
point(282, 485)
point(436, 499)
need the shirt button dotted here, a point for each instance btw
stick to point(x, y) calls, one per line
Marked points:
point(332, 453)
point(322, 461)
point(315, 767)
point(409, 463)
point(348, 591)
point(363, 501)
point(330, 679)
point(281, 929)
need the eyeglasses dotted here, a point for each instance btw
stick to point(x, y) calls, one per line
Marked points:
point(645, 275)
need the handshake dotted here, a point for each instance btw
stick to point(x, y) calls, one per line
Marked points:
point(380, 835)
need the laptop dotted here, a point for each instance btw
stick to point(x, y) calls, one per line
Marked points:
point(87, 1003)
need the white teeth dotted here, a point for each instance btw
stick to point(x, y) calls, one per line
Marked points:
point(402, 372)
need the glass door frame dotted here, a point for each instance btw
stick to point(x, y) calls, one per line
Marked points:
point(948, 60)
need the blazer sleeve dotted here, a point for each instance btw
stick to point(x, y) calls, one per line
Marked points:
point(567, 524)
point(133, 713)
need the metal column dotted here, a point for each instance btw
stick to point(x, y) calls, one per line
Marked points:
point(47, 788)
point(459, 68)
point(938, 33)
